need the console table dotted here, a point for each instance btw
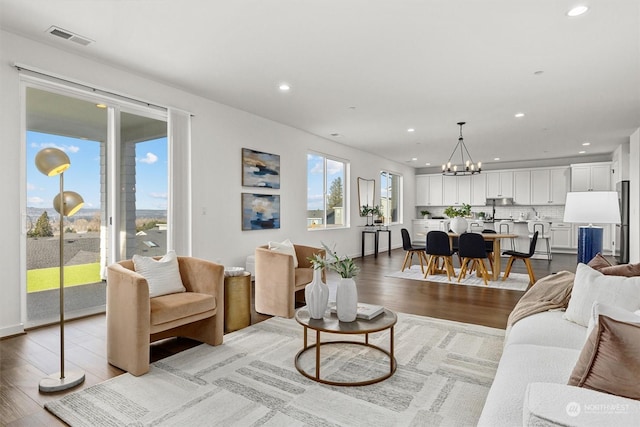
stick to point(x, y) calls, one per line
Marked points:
point(376, 233)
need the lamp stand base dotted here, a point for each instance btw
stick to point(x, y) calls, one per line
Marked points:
point(54, 383)
point(589, 243)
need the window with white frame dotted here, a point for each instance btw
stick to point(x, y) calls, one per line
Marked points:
point(327, 179)
point(391, 197)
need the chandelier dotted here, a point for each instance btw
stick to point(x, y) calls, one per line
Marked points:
point(467, 167)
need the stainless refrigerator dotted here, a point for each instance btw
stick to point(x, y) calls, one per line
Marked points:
point(622, 229)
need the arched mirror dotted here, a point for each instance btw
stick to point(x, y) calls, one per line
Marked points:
point(366, 191)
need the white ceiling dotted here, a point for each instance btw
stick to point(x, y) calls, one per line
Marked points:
point(370, 69)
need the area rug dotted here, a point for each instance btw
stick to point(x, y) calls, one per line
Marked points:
point(515, 281)
point(444, 373)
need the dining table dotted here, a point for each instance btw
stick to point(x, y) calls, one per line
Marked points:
point(495, 238)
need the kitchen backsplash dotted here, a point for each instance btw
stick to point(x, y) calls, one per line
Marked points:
point(503, 212)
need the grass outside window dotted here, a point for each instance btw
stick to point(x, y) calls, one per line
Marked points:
point(44, 279)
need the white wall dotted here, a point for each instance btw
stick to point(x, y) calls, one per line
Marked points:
point(218, 134)
point(634, 199)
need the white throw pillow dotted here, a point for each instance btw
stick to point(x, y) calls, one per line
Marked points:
point(591, 286)
point(285, 247)
point(611, 311)
point(163, 275)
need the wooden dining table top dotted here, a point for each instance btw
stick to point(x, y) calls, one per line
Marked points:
point(490, 236)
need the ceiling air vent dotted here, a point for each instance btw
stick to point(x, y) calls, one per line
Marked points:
point(68, 35)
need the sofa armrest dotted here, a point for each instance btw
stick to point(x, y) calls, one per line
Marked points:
point(560, 404)
point(304, 252)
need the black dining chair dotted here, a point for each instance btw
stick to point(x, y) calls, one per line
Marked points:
point(438, 248)
point(411, 250)
point(514, 255)
point(473, 250)
point(489, 246)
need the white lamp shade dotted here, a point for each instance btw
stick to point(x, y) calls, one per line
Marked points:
point(592, 207)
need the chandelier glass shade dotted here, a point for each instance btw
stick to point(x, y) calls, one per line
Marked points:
point(466, 165)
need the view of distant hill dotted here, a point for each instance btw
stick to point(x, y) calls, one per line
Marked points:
point(34, 213)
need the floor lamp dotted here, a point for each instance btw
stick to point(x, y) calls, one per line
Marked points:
point(599, 207)
point(51, 162)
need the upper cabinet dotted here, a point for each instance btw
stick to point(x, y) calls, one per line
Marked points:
point(549, 186)
point(457, 190)
point(429, 190)
point(479, 189)
point(591, 177)
point(499, 184)
point(522, 187)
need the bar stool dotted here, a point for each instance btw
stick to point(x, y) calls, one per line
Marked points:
point(508, 227)
point(543, 229)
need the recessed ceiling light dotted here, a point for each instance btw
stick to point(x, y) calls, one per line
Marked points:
point(518, 115)
point(411, 130)
point(586, 143)
point(101, 106)
point(496, 158)
point(581, 152)
point(284, 87)
point(577, 11)
point(413, 159)
point(427, 164)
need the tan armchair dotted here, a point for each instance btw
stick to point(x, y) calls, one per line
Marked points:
point(277, 281)
point(134, 320)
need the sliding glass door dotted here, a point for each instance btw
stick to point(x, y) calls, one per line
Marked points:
point(119, 161)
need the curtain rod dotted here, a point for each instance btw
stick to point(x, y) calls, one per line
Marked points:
point(21, 67)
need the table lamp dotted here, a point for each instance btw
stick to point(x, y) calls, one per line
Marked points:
point(589, 207)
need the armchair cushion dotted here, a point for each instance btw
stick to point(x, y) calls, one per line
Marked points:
point(162, 275)
point(168, 308)
point(285, 247)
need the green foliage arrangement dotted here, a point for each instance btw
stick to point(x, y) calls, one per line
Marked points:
point(423, 213)
point(344, 266)
point(452, 212)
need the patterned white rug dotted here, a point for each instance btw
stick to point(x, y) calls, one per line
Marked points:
point(444, 373)
point(515, 281)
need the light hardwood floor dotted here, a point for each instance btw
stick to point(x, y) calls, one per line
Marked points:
point(27, 358)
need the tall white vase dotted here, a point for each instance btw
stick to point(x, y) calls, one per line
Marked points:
point(316, 295)
point(458, 225)
point(347, 300)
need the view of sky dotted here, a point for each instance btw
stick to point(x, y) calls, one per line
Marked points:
point(315, 190)
point(83, 176)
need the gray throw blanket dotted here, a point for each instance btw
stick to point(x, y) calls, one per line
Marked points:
point(550, 292)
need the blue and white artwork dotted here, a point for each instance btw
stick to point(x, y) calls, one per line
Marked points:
point(260, 169)
point(260, 211)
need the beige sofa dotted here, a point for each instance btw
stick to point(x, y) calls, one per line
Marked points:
point(277, 281)
point(134, 320)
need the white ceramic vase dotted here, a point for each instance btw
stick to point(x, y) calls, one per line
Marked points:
point(316, 295)
point(458, 225)
point(347, 300)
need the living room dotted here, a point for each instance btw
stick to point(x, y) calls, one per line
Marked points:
point(207, 174)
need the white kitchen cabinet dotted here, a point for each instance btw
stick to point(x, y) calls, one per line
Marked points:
point(435, 190)
point(457, 190)
point(522, 187)
point(561, 236)
point(478, 189)
point(591, 177)
point(422, 190)
point(419, 231)
point(549, 186)
point(499, 184)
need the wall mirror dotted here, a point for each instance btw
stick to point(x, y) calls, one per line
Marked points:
point(366, 191)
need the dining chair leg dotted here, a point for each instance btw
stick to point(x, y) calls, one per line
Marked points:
point(532, 276)
point(406, 261)
point(430, 263)
point(463, 269)
point(483, 270)
point(448, 265)
point(507, 270)
point(421, 258)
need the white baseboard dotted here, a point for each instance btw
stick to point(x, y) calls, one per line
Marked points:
point(8, 331)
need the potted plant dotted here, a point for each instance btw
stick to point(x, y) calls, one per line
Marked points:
point(347, 293)
point(377, 211)
point(458, 223)
point(425, 214)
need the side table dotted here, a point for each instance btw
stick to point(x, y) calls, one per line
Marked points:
point(237, 301)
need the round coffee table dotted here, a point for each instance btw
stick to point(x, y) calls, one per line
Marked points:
point(331, 324)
